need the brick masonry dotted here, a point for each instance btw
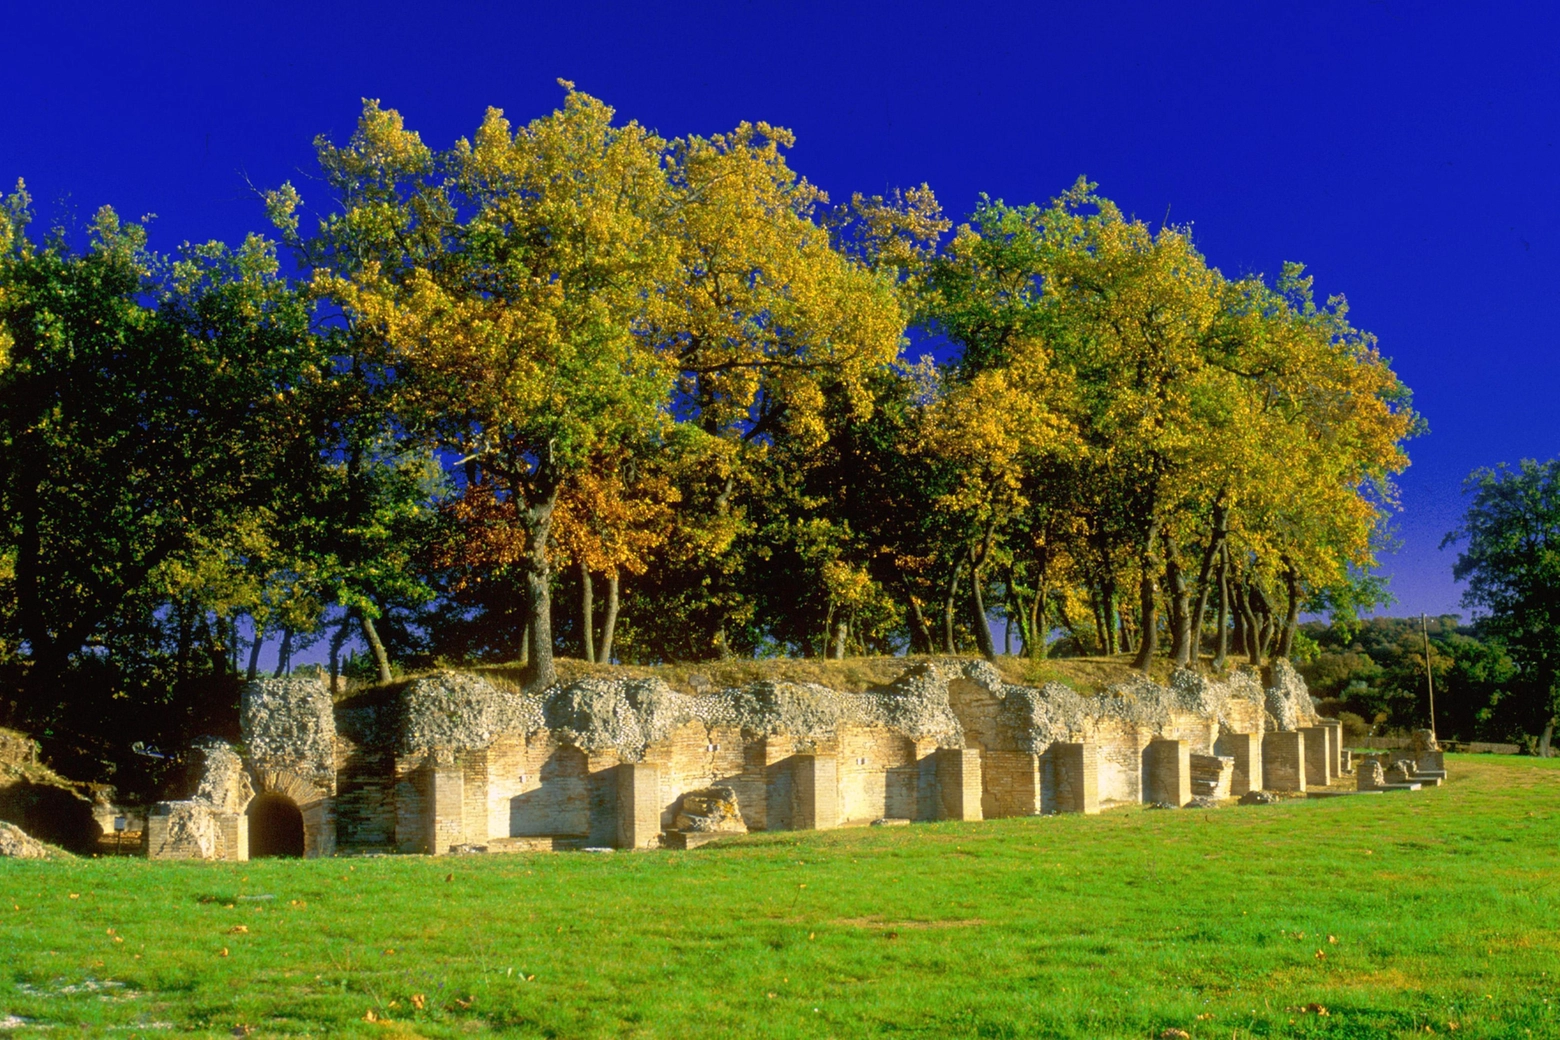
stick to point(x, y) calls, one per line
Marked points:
point(1167, 772)
point(1245, 753)
point(1283, 760)
point(1318, 756)
point(1075, 777)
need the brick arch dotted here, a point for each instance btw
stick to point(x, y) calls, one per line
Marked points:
point(317, 805)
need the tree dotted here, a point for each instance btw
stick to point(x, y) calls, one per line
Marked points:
point(1511, 562)
point(146, 409)
point(499, 286)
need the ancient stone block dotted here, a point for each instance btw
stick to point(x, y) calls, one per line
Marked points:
point(958, 784)
point(1167, 772)
point(815, 792)
point(195, 830)
point(711, 809)
point(639, 806)
point(1211, 775)
point(1011, 782)
point(1076, 776)
point(1245, 753)
point(446, 806)
point(1334, 746)
point(1283, 760)
point(1368, 775)
point(1318, 756)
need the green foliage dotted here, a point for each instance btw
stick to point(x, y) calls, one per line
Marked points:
point(1511, 562)
point(1375, 669)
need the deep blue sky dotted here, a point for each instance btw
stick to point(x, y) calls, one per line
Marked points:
point(1406, 152)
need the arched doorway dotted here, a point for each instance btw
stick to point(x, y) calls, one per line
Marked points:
point(275, 827)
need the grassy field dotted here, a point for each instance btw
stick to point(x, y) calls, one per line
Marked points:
point(1436, 912)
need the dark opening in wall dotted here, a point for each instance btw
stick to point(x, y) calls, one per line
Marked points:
point(275, 827)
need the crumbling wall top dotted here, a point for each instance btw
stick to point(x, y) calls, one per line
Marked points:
point(290, 723)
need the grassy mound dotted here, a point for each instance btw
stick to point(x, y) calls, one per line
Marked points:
point(1394, 913)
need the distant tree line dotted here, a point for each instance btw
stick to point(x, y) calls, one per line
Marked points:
point(571, 387)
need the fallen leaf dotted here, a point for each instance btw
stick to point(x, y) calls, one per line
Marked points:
point(1314, 1009)
point(75, 895)
point(369, 1016)
point(418, 1000)
point(224, 952)
point(449, 877)
point(464, 1004)
point(238, 929)
point(1332, 939)
point(389, 953)
point(1320, 955)
point(1174, 1034)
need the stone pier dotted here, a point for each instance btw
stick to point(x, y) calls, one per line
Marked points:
point(958, 784)
point(1246, 751)
point(1283, 760)
point(1076, 777)
point(638, 806)
point(1167, 768)
point(815, 792)
point(1318, 756)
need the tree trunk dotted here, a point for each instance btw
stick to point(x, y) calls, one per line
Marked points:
point(1222, 645)
point(1112, 617)
point(1180, 608)
point(1100, 626)
point(1215, 550)
point(1238, 609)
point(841, 634)
point(1148, 603)
point(371, 637)
point(951, 606)
point(1252, 626)
point(609, 623)
point(988, 649)
point(254, 651)
point(1267, 620)
point(1286, 642)
point(587, 615)
point(1546, 738)
point(336, 642)
point(186, 629)
point(538, 580)
point(284, 653)
point(1037, 625)
point(921, 641)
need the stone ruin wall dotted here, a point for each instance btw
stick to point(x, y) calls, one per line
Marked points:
point(450, 762)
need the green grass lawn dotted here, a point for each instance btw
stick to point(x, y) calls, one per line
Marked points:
point(1398, 914)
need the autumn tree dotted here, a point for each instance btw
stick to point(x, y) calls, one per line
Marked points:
point(499, 285)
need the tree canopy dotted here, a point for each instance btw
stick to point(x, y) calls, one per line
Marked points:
point(572, 387)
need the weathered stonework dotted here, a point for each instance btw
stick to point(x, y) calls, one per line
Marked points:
point(450, 762)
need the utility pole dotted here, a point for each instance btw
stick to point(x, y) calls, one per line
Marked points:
point(1424, 629)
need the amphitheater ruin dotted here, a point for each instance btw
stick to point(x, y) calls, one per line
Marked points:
point(451, 763)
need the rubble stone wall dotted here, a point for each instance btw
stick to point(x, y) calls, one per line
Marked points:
point(450, 760)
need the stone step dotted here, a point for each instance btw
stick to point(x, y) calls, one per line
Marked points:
point(538, 843)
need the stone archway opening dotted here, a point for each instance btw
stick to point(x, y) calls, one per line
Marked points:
point(275, 827)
